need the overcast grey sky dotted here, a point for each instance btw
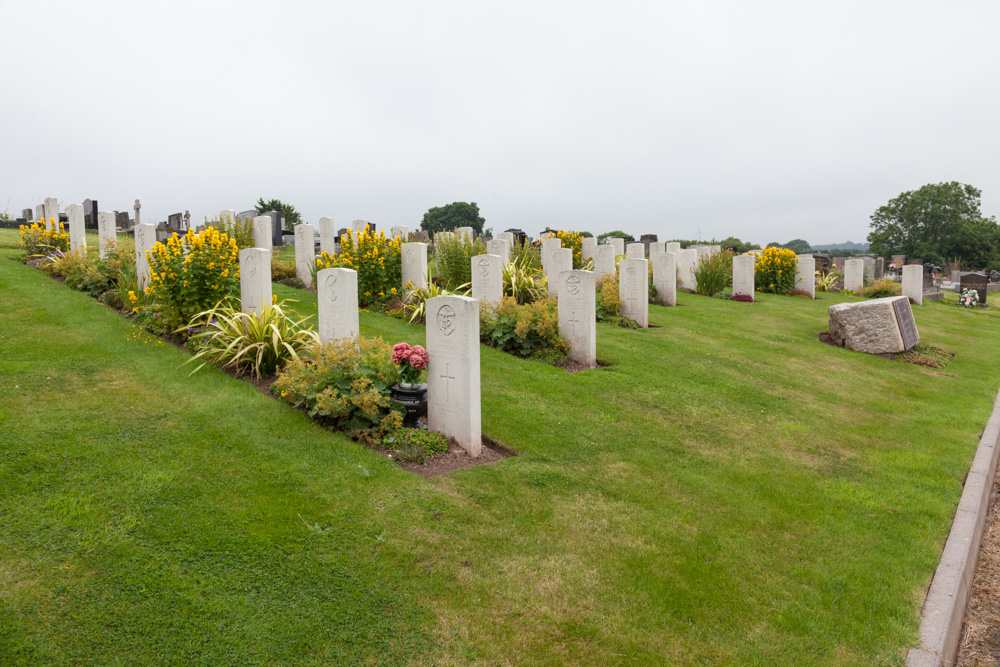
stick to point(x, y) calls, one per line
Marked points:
point(767, 120)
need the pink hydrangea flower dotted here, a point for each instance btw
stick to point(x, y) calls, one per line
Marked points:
point(401, 353)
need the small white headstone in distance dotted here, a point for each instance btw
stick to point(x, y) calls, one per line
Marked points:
point(414, 266)
point(618, 244)
point(106, 233)
point(635, 251)
point(805, 275)
point(467, 233)
point(359, 226)
point(327, 236)
point(665, 278)
point(487, 278)
point(262, 232)
point(686, 261)
point(77, 233)
point(501, 248)
point(854, 274)
point(145, 239)
point(633, 289)
point(549, 246)
point(255, 279)
point(40, 216)
point(560, 260)
point(399, 230)
point(51, 212)
point(672, 246)
point(656, 248)
point(337, 301)
point(744, 267)
point(453, 383)
point(227, 215)
point(587, 247)
point(604, 261)
point(578, 315)
point(913, 283)
point(305, 253)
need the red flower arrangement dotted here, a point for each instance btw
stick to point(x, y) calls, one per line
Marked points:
point(411, 361)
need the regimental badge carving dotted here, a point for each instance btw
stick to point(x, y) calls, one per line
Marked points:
point(411, 256)
point(331, 284)
point(142, 238)
point(446, 320)
point(484, 267)
point(631, 271)
point(251, 265)
point(573, 285)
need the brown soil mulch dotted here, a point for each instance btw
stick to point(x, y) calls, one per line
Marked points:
point(456, 458)
point(980, 644)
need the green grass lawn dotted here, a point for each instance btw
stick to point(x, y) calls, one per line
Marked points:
point(729, 491)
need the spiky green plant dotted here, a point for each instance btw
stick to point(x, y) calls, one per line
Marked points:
point(524, 282)
point(415, 302)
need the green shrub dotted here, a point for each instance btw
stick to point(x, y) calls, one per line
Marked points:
point(829, 282)
point(240, 229)
point(37, 242)
point(521, 328)
point(345, 385)
point(453, 255)
point(714, 273)
point(100, 276)
point(882, 288)
point(415, 303)
point(573, 241)
point(774, 270)
point(413, 444)
point(375, 258)
point(527, 254)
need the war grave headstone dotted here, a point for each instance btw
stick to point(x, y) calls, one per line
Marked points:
point(361, 226)
point(686, 262)
point(51, 211)
point(549, 246)
point(633, 289)
point(879, 268)
point(399, 230)
point(327, 236)
point(560, 260)
point(665, 277)
point(805, 275)
point(305, 253)
point(453, 381)
point(255, 279)
point(414, 266)
point(975, 281)
point(337, 301)
point(618, 244)
point(744, 267)
point(107, 236)
point(672, 246)
point(77, 229)
point(145, 239)
point(656, 248)
point(500, 247)
point(487, 278)
point(854, 274)
point(587, 247)
point(467, 233)
point(577, 302)
point(228, 214)
point(913, 283)
point(516, 236)
point(263, 233)
point(635, 251)
point(869, 267)
point(90, 213)
point(716, 249)
point(604, 261)
point(875, 326)
point(136, 209)
point(40, 215)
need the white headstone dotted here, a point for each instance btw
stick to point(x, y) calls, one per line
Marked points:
point(672, 246)
point(453, 385)
point(337, 300)
point(327, 236)
point(805, 275)
point(578, 315)
point(560, 260)
point(77, 231)
point(507, 235)
point(913, 282)
point(305, 253)
point(618, 244)
point(40, 216)
point(854, 274)
point(399, 230)
point(145, 239)
point(499, 247)
point(51, 213)
point(665, 278)
point(255, 279)
point(549, 246)
point(687, 259)
point(106, 233)
point(716, 249)
point(487, 278)
point(744, 267)
point(635, 251)
point(359, 225)
point(587, 247)
point(604, 261)
point(703, 252)
point(633, 289)
point(656, 248)
point(227, 214)
point(263, 232)
point(413, 257)
point(466, 233)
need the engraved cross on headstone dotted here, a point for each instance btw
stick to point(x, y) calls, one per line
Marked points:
point(573, 321)
point(446, 377)
point(137, 207)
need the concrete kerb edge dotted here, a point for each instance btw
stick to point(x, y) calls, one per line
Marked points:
point(944, 608)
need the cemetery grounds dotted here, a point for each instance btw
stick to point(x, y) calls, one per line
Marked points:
point(727, 490)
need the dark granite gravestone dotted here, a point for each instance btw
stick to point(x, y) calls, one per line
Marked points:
point(90, 214)
point(915, 261)
point(879, 268)
point(907, 325)
point(519, 236)
point(21, 221)
point(823, 262)
point(276, 230)
point(174, 222)
point(247, 216)
point(122, 220)
point(26, 213)
point(994, 276)
point(976, 281)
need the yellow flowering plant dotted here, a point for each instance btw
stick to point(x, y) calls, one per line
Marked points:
point(38, 242)
point(375, 258)
point(192, 273)
point(573, 241)
point(774, 270)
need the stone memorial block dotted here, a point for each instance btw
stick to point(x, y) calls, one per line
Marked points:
point(687, 260)
point(805, 275)
point(665, 278)
point(327, 236)
point(898, 261)
point(277, 229)
point(337, 301)
point(51, 212)
point(466, 233)
point(744, 267)
point(255, 279)
point(106, 234)
point(40, 215)
point(927, 283)
point(656, 248)
point(453, 389)
point(549, 246)
point(869, 264)
point(956, 276)
point(587, 247)
point(174, 222)
point(879, 268)
point(122, 220)
point(672, 246)
point(838, 263)
point(90, 213)
point(633, 289)
point(77, 230)
point(618, 245)
point(499, 247)
point(487, 278)
point(263, 233)
point(145, 239)
point(26, 214)
point(578, 315)
point(414, 266)
point(305, 253)
point(635, 251)
point(399, 230)
point(560, 260)
point(360, 226)
point(604, 261)
point(854, 274)
point(875, 326)
point(913, 283)
point(974, 281)
point(227, 214)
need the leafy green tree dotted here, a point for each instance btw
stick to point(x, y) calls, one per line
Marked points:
point(617, 234)
point(937, 223)
point(287, 211)
point(800, 246)
point(451, 216)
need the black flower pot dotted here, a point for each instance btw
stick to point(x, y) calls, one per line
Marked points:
point(414, 399)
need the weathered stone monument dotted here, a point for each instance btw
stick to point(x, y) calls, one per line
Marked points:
point(805, 275)
point(587, 247)
point(869, 264)
point(618, 244)
point(51, 212)
point(262, 232)
point(633, 289)
point(913, 283)
point(255, 279)
point(879, 268)
point(578, 315)
point(487, 279)
point(635, 251)
point(604, 261)
point(876, 326)
point(453, 385)
point(277, 228)
point(414, 266)
point(744, 267)
point(337, 301)
point(665, 277)
point(327, 236)
point(687, 259)
point(854, 274)
point(77, 229)
point(145, 239)
point(90, 213)
point(106, 234)
point(501, 248)
point(549, 246)
point(305, 253)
